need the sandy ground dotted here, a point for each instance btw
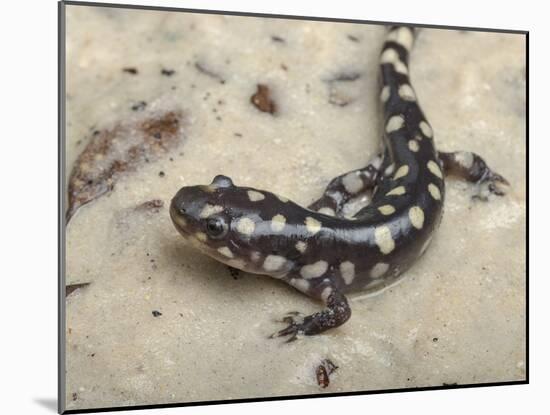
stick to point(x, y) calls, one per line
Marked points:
point(457, 317)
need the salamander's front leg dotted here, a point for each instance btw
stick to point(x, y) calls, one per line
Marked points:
point(472, 168)
point(336, 313)
point(343, 188)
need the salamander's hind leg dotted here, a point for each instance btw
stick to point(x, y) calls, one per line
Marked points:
point(336, 313)
point(345, 187)
point(472, 168)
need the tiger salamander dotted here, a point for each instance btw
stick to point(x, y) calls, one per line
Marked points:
point(318, 250)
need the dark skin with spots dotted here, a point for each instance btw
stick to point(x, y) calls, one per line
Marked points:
point(316, 249)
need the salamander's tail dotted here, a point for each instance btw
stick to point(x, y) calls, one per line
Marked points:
point(403, 117)
point(394, 61)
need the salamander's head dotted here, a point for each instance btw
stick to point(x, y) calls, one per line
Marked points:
point(239, 226)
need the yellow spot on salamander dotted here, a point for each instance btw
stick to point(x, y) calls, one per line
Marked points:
point(347, 270)
point(398, 191)
point(413, 146)
point(391, 56)
point(402, 36)
point(434, 168)
point(301, 246)
point(406, 92)
point(246, 226)
point(426, 129)
point(314, 270)
point(465, 159)
point(401, 172)
point(312, 225)
point(352, 182)
point(384, 239)
point(434, 191)
point(385, 94)
point(416, 215)
point(395, 123)
point(386, 209)
point(225, 251)
point(255, 196)
point(201, 236)
point(300, 284)
point(278, 223)
point(274, 262)
point(209, 210)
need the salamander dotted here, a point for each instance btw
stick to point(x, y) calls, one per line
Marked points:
point(318, 250)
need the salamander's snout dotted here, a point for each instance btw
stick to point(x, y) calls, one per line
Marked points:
point(185, 207)
point(177, 206)
point(178, 211)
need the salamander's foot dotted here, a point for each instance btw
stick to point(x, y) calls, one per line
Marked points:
point(336, 314)
point(472, 168)
point(234, 272)
point(345, 187)
point(297, 324)
point(490, 183)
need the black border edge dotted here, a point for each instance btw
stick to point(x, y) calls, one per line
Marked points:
point(284, 16)
point(61, 327)
point(292, 397)
point(61, 207)
point(527, 207)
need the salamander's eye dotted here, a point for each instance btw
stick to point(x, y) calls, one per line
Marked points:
point(216, 227)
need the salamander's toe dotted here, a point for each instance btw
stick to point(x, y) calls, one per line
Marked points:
point(295, 321)
point(490, 183)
